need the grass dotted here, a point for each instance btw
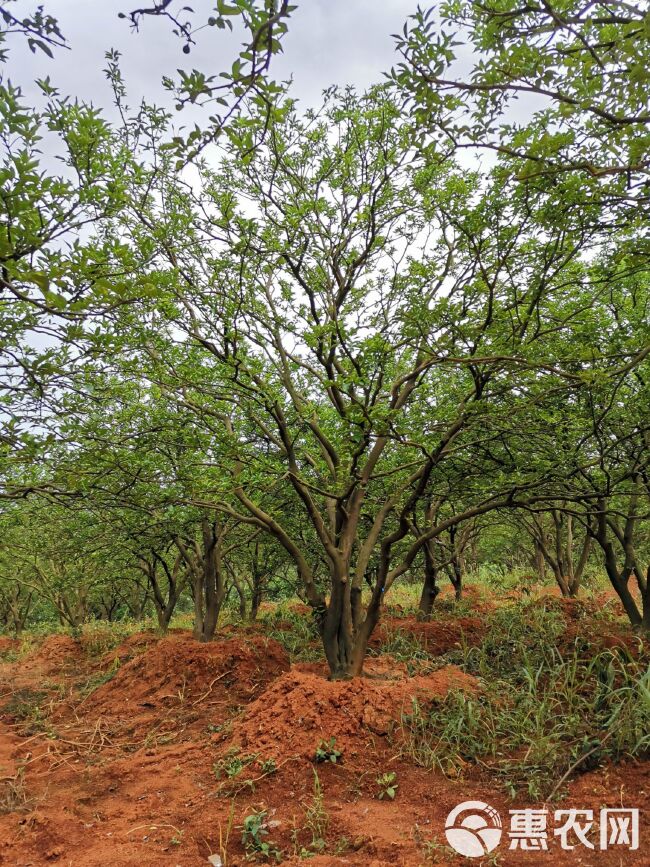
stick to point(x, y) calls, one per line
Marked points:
point(317, 818)
point(99, 679)
point(25, 706)
point(542, 715)
point(13, 794)
point(98, 638)
point(548, 708)
point(295, 631)
point(26, 643)
point(405, 647)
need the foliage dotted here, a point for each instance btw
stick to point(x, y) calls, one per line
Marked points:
point(39, 29)
point(584, 69)
point(326, 358)
point(232, 92)
point(317, 818)
point(326, 752)
point(295, 631)
point(388, 785)
point(254, 830)
point(232, 764)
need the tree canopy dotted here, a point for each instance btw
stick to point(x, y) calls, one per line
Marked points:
point(313, 346)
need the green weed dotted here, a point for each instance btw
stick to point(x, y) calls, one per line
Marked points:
point(317, 817)
point(388, 785)
point(541, 716)
point(254, 831)
point(100, 679)
point(326, 752)
point(295, 631)
point(405, 647)
point(232, 764)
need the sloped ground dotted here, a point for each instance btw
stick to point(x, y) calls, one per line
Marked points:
point(301, 709)
point(156, 751)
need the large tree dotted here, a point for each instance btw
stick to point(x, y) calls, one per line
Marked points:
point(345, 317)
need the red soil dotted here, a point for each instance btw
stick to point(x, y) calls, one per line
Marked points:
point(131, 646)
point(123, 775)
point(436, 636)
point(179, 668)
point(302, 708)
point(55, 652)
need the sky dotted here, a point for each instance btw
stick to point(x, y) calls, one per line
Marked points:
point(329, 42)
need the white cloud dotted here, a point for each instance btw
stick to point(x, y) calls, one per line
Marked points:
point(329, 42)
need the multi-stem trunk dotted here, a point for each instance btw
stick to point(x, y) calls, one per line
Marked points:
point(214, 581)
point(207, 577)
point(344, 632)
point(557, 552)
point(164, 602)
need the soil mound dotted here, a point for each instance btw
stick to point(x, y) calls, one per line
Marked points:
point(301, 709)
point(436, 636)
point(8, 644)
point(134, 644)
point(178, 669)
point(56, 652)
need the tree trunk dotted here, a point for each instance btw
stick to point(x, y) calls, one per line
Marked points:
point(197, 596)
point(345, 643)
point(430, 587)
point(561, 579)
point(645, 623)
point(456, 566)
point(577, 573)
point(18, 610)
point(456, 578)
point(207, 578)
point(257, 582)
point(619, 579)
point(539, 561)
point(555, 560)
point(164, 603)
point(620, 584)
point(241, 593)
point(256, 600)
point(213, 578)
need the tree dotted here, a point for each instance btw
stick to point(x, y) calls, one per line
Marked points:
point(596, 436)
point(51, 264)
point(582, 67)
point(342, 319)
point(64, 558)
point(232, 92)
point(40, 29)
point(553, 534)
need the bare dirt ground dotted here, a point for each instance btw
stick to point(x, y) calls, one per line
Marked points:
point(154, 753)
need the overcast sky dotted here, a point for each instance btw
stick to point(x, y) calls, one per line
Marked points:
point(329, 41)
